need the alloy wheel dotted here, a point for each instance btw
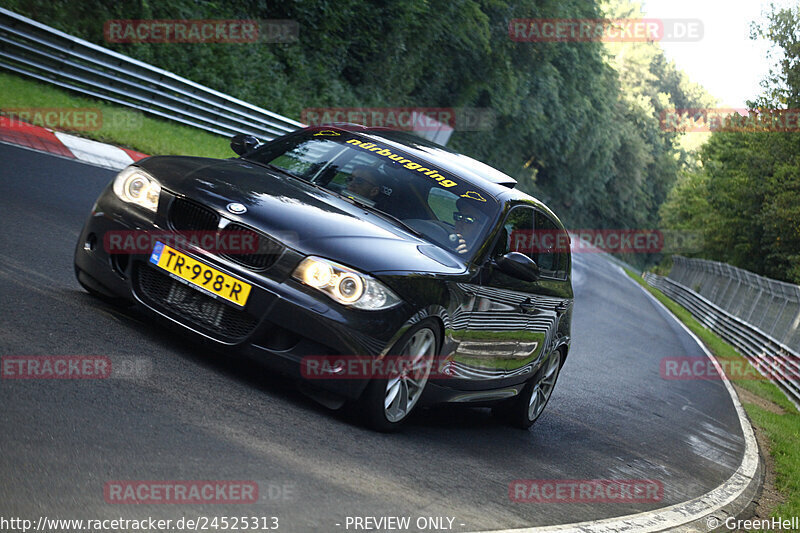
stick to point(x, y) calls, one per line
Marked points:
point(404, 390)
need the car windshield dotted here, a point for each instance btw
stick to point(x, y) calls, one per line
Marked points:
point(445, 209)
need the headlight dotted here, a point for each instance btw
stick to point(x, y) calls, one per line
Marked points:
point(135, 186)
point(344, 285)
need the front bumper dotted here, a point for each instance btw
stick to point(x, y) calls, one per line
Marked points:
point(283, 321)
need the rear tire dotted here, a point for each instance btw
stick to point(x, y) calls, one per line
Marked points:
point(523, 410)
point(387, 402)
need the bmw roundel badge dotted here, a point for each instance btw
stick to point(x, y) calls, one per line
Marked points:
point(236, 208)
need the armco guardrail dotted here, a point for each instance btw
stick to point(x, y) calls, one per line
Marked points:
point(770, 305)
point(46, 54)
point(770, 357)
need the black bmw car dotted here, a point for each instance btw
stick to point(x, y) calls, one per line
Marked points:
point(338, 245)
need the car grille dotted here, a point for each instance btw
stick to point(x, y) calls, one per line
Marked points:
point(269, 250)
point(185, 215)
point(188, 305)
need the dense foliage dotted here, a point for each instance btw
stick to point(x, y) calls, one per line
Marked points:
point(576, 123)
point(746, 195)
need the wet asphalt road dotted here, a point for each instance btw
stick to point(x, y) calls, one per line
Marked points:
point(190, 414)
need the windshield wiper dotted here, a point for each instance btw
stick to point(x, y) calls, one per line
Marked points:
point(275, 169)
point(285, 172)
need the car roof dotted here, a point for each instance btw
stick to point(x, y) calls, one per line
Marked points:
point(515, 196)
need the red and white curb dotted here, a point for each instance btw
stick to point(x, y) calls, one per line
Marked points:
point(65, 145)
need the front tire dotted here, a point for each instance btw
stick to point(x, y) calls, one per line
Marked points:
point(526, 408)
point(387, 402)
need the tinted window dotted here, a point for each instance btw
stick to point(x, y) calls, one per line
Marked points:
point(552, 247)
point(534, 234)
point(443, 204)
point(516, 234)
point(305, 158)
point(443, 207)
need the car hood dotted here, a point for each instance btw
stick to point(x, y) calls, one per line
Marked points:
point(306, 218)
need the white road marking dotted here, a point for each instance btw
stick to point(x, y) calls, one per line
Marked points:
point(677, 517)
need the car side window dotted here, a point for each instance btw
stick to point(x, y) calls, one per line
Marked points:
point(551, 247)
point(517, 233)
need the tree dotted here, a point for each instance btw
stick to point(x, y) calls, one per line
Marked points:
point(745, 196)
point(577, 123)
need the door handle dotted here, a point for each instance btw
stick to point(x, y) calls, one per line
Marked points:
point(562, 307)
point(527, 306)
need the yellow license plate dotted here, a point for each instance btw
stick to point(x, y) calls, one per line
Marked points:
point(200, 275)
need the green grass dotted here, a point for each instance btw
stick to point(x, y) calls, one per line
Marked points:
point(120, 125)
point(781, 429)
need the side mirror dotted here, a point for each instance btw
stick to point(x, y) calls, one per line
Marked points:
point(241, 143)
point(519, 266)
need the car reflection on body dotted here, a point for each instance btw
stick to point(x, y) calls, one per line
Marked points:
point(373, 244)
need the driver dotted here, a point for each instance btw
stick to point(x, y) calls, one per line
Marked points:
point(468, 220)
point(363, 182)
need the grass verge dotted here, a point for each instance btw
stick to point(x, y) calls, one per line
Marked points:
point(766, 405)
point(117, 124)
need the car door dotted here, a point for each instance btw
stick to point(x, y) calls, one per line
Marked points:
point(523, 317)
point(551, 294)
point(500, 335)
